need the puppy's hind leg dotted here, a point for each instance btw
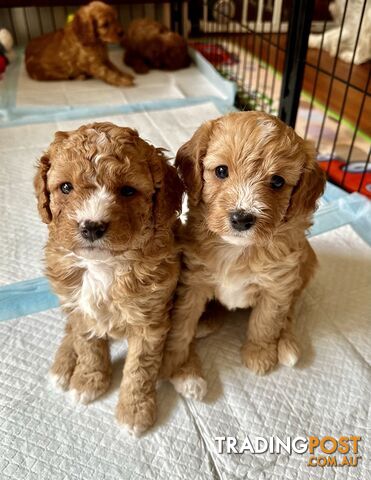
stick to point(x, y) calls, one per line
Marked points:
point(188, 308)
point(211, 320)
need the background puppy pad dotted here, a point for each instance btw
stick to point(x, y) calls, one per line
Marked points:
point(26, 96)
point(328, 393)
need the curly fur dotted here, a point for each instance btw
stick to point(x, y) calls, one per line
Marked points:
point(263, 268)
point(79, 50)
point(120, 285)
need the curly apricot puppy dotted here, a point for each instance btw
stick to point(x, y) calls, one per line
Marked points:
point(252, 184)
point(111, 203)
point(79, 49)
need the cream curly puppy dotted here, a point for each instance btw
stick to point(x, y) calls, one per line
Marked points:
point(252, 185)
point(111, 202)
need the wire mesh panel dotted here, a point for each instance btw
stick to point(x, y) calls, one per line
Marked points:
point(335, 107)
point(246, 42)
point(30, 21)
point(324, 92)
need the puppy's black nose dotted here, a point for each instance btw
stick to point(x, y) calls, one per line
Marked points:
point(93, 230)
point(241, 220)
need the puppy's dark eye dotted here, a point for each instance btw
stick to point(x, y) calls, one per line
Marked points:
point(105, 25)
point(66, 187)
point(127, 191)
point(277, 182)
point(221, 171)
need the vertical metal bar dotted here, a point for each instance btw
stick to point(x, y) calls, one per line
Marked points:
point(365, 170)
point(12, 26)
point(195, 13)
point(176, 20)
point(267, 66)
point(315, 81)
point(345, 98)
point(332, 79)
point(252, 65)
point(276, 58)
point(297, 43)
point(356, 128)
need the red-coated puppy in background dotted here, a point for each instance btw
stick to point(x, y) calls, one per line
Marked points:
point(148, 44)
point(79, 50)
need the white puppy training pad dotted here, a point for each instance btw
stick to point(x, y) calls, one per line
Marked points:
point(25, 96)
point(21, 230)
point(328, 393)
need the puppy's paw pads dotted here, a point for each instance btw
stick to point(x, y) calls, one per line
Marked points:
point(84, 398)
point(190, 387)
point(288, 352)
point(58, 382)
point(258, 358)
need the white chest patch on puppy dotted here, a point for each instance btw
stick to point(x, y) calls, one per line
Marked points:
point(235, 287)
point(237, 292)
point(93, 298)
point(95, 293)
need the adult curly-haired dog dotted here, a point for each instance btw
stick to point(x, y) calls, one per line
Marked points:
point(252, 185)
point(111, 202)
point(79, 50)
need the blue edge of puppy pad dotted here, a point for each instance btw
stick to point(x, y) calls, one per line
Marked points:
point(337, 209)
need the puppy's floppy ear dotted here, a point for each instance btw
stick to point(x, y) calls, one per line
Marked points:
point(189, 161)
point(310, 186)
point(41, 180)
point(169, 190)
point(83, 25)
point(41, 189)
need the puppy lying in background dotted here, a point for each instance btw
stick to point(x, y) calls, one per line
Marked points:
point(252, 186)
point(148, 44)
point(111, 203)
point(79, 50)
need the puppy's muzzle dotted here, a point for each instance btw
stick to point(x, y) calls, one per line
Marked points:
point(241, 220)
point(93, 230)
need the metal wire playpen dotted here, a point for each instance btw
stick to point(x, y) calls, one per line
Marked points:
point(263, 46)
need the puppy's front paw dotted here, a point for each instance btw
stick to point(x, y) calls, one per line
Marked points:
point(259, 358)
point(126, 80)
point(288, 351)
point(86, 386)
point(190, 386)
point(59, 382)
point(62, 370)
point(137, 414)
